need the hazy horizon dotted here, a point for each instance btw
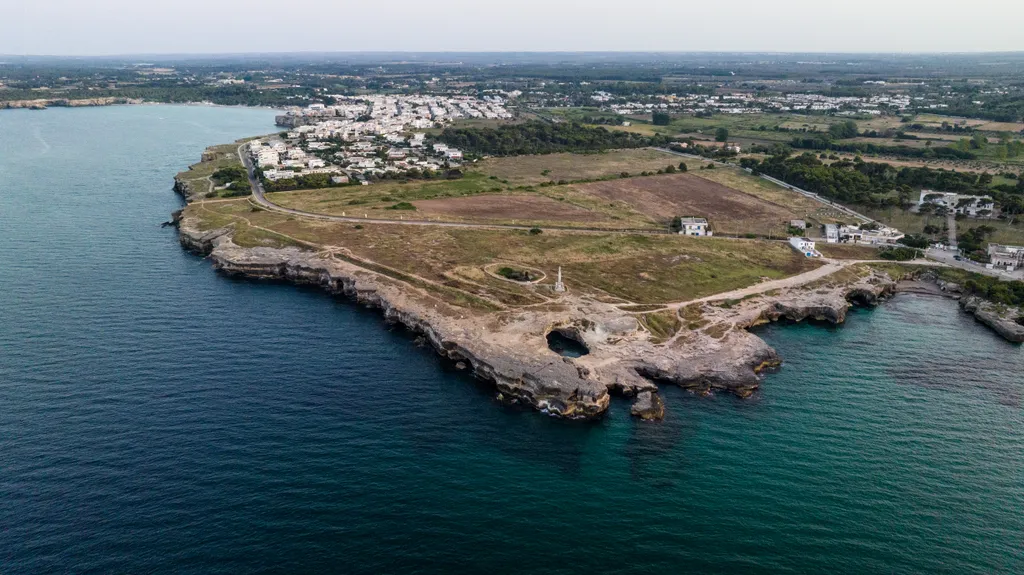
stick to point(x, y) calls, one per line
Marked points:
point(197, 27)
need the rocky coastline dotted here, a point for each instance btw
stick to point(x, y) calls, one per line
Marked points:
point(1007, 321)
point(44, 103)
point(510, 349)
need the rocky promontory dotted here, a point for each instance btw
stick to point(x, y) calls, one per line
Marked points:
point(509, 348)
point(1006, 321)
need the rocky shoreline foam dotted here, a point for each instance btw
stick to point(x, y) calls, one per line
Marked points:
point(510, 348)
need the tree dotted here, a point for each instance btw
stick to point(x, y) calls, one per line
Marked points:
point(661, 119)
point(722, 135)
point(847, 129)
point(682, 166)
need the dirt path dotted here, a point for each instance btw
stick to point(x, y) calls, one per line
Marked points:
point(830, 267)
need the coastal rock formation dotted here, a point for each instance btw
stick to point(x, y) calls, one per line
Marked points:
point(43, 103)
point(648, 406)
point(184, 189)
point(1003, 320)
point(510, 349)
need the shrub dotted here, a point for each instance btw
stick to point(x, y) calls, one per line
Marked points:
point(536, 231)
point(899, 254)
point(402, 206)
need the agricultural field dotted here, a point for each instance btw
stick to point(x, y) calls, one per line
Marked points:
point(532, 170)
point(729, 211)
point(522, 191)
point(801, 206)
point(449, 262)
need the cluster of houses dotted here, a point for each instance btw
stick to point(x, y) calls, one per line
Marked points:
point(868, 234)
point(971, 206)
point(751, 103)
point(367, 137)
point(353, 157)
point(383, 112)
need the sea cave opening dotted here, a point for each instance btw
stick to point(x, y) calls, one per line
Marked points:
point(567, 343)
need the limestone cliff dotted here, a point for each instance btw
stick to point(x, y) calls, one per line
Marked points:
point(1003, 320)
point(510, 349)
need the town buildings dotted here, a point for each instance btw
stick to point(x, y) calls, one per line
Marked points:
point(368, 137)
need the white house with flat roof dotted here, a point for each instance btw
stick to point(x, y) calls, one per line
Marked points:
point(1009, 257)
point(694, 227)
point(831, 234)
point(804, 246)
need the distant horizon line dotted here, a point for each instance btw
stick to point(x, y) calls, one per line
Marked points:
point(537, 52)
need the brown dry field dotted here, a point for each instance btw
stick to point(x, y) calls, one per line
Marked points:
point(663, 197)
point(529, 170)
point(506, 207)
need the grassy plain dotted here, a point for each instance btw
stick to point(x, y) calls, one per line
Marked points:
point(449, 261)
point(519, 191)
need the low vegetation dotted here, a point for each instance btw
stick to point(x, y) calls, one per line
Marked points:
point(642, 269)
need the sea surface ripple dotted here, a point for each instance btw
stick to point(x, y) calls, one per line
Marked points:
point(158, 418)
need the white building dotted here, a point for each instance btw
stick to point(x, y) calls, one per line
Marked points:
point(880, 236)
point(831, 233)
point(972, 206)
point(804, 246)
point(1009, 257)
point(694, 227)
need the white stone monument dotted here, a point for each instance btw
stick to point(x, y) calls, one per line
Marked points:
point(559, 286)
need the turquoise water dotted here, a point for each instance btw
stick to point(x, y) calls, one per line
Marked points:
point(158, 418)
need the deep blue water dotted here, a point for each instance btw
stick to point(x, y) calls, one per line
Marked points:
point(158, 418)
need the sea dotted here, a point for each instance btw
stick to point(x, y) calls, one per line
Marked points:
point(156, 417)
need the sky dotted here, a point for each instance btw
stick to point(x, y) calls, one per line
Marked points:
point(116, 27)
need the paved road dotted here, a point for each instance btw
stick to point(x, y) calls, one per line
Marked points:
point(949, 258)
